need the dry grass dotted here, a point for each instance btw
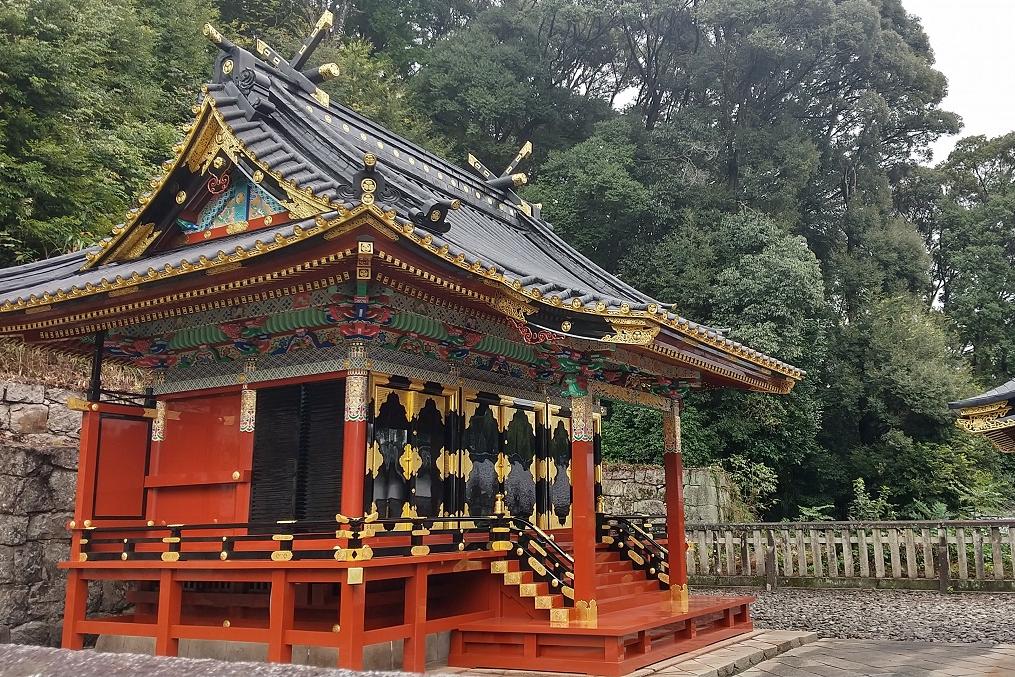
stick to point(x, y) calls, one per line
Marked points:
point(35, 364)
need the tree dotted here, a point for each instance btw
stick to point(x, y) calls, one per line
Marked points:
point(90, 106)
point(492, 86)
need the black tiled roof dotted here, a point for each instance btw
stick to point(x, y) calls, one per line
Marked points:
point(1005, 391)
point(64, 272)
point(322, 148)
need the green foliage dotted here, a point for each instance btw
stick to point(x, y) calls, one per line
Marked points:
point(90, 94)
point(964, 209)
point(866, 508)
point(815, 513)
point(593, 199)
point(756, 482)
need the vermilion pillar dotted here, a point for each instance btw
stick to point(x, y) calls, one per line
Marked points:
point(354, 445)
point(583, 508)
point(677, 540)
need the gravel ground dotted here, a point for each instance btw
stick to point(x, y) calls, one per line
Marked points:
point(37, 661)
point(884, 614)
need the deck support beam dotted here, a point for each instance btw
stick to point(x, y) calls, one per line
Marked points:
point(354, 446)
point(74, 610)
point(169, 610)
point(673, 464)
point(414, 648)
point(583, 508)
point(351, 618)
point(281, 608)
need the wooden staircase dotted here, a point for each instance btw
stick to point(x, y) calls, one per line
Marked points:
point(619, 586)
point(536, 627)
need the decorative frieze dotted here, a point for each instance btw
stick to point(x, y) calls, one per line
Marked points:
point(671, 429)
point(356, 382)
point(582, 422)
point(159, 422)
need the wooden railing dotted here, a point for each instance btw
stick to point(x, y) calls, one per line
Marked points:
point(947, 555)
point(957, 555)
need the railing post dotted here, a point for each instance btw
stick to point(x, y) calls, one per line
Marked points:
point(771, 575)
point(943, 568)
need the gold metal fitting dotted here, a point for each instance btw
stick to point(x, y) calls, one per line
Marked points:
point(212, 34)
point(369, 160)
point(519, 179)
point(329, 71)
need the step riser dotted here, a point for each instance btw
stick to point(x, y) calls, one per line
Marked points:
point(619, 585)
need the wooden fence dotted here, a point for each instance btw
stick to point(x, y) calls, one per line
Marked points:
point(952, 555)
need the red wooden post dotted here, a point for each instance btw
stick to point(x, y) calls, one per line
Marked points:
point(88, 454)
point(583, 509)
point(673, 463)
point(74, 610)
point(280, 618)
point(351, 617)
point(354, 446)
point(414, 649)
point(170, 592)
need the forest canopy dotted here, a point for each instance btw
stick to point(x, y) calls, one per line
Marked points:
point(761, 164)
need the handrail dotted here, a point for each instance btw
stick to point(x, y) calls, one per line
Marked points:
point(624, 533)
point(543, 556)
point(356, 538)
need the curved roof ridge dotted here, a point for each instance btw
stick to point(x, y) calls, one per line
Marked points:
point(1005, 391)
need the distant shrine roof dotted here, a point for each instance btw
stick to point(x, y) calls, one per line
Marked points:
point(991, 415)
point(270, 162)
point(1005, 391)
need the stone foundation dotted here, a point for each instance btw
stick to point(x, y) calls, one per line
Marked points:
point(38, 478)
point(628, 489)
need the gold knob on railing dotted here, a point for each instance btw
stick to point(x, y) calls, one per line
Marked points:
point(498, 505)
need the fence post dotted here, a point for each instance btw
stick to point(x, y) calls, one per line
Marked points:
point(943, 568)
point(771, 575)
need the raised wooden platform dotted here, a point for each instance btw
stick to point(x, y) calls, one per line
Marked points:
point(622, 641)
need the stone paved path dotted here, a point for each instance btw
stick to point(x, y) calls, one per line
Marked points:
point(856, 658)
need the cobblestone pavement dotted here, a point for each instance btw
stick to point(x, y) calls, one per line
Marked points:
point(907, 615)
point(854, 658)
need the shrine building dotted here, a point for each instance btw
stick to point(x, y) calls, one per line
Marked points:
point(377, 388)
point(990, 414)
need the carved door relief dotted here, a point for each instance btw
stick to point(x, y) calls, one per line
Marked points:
point(481, 454)
point(503, 447)
point(410, 452)
point(558, 471)
point(429, 440)
point(437, 452)
point(520, 442)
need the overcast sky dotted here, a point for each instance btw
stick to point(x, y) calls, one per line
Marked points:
point(973, 46)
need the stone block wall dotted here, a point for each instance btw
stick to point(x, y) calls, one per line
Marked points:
point(38, 478)
point(709, 494)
